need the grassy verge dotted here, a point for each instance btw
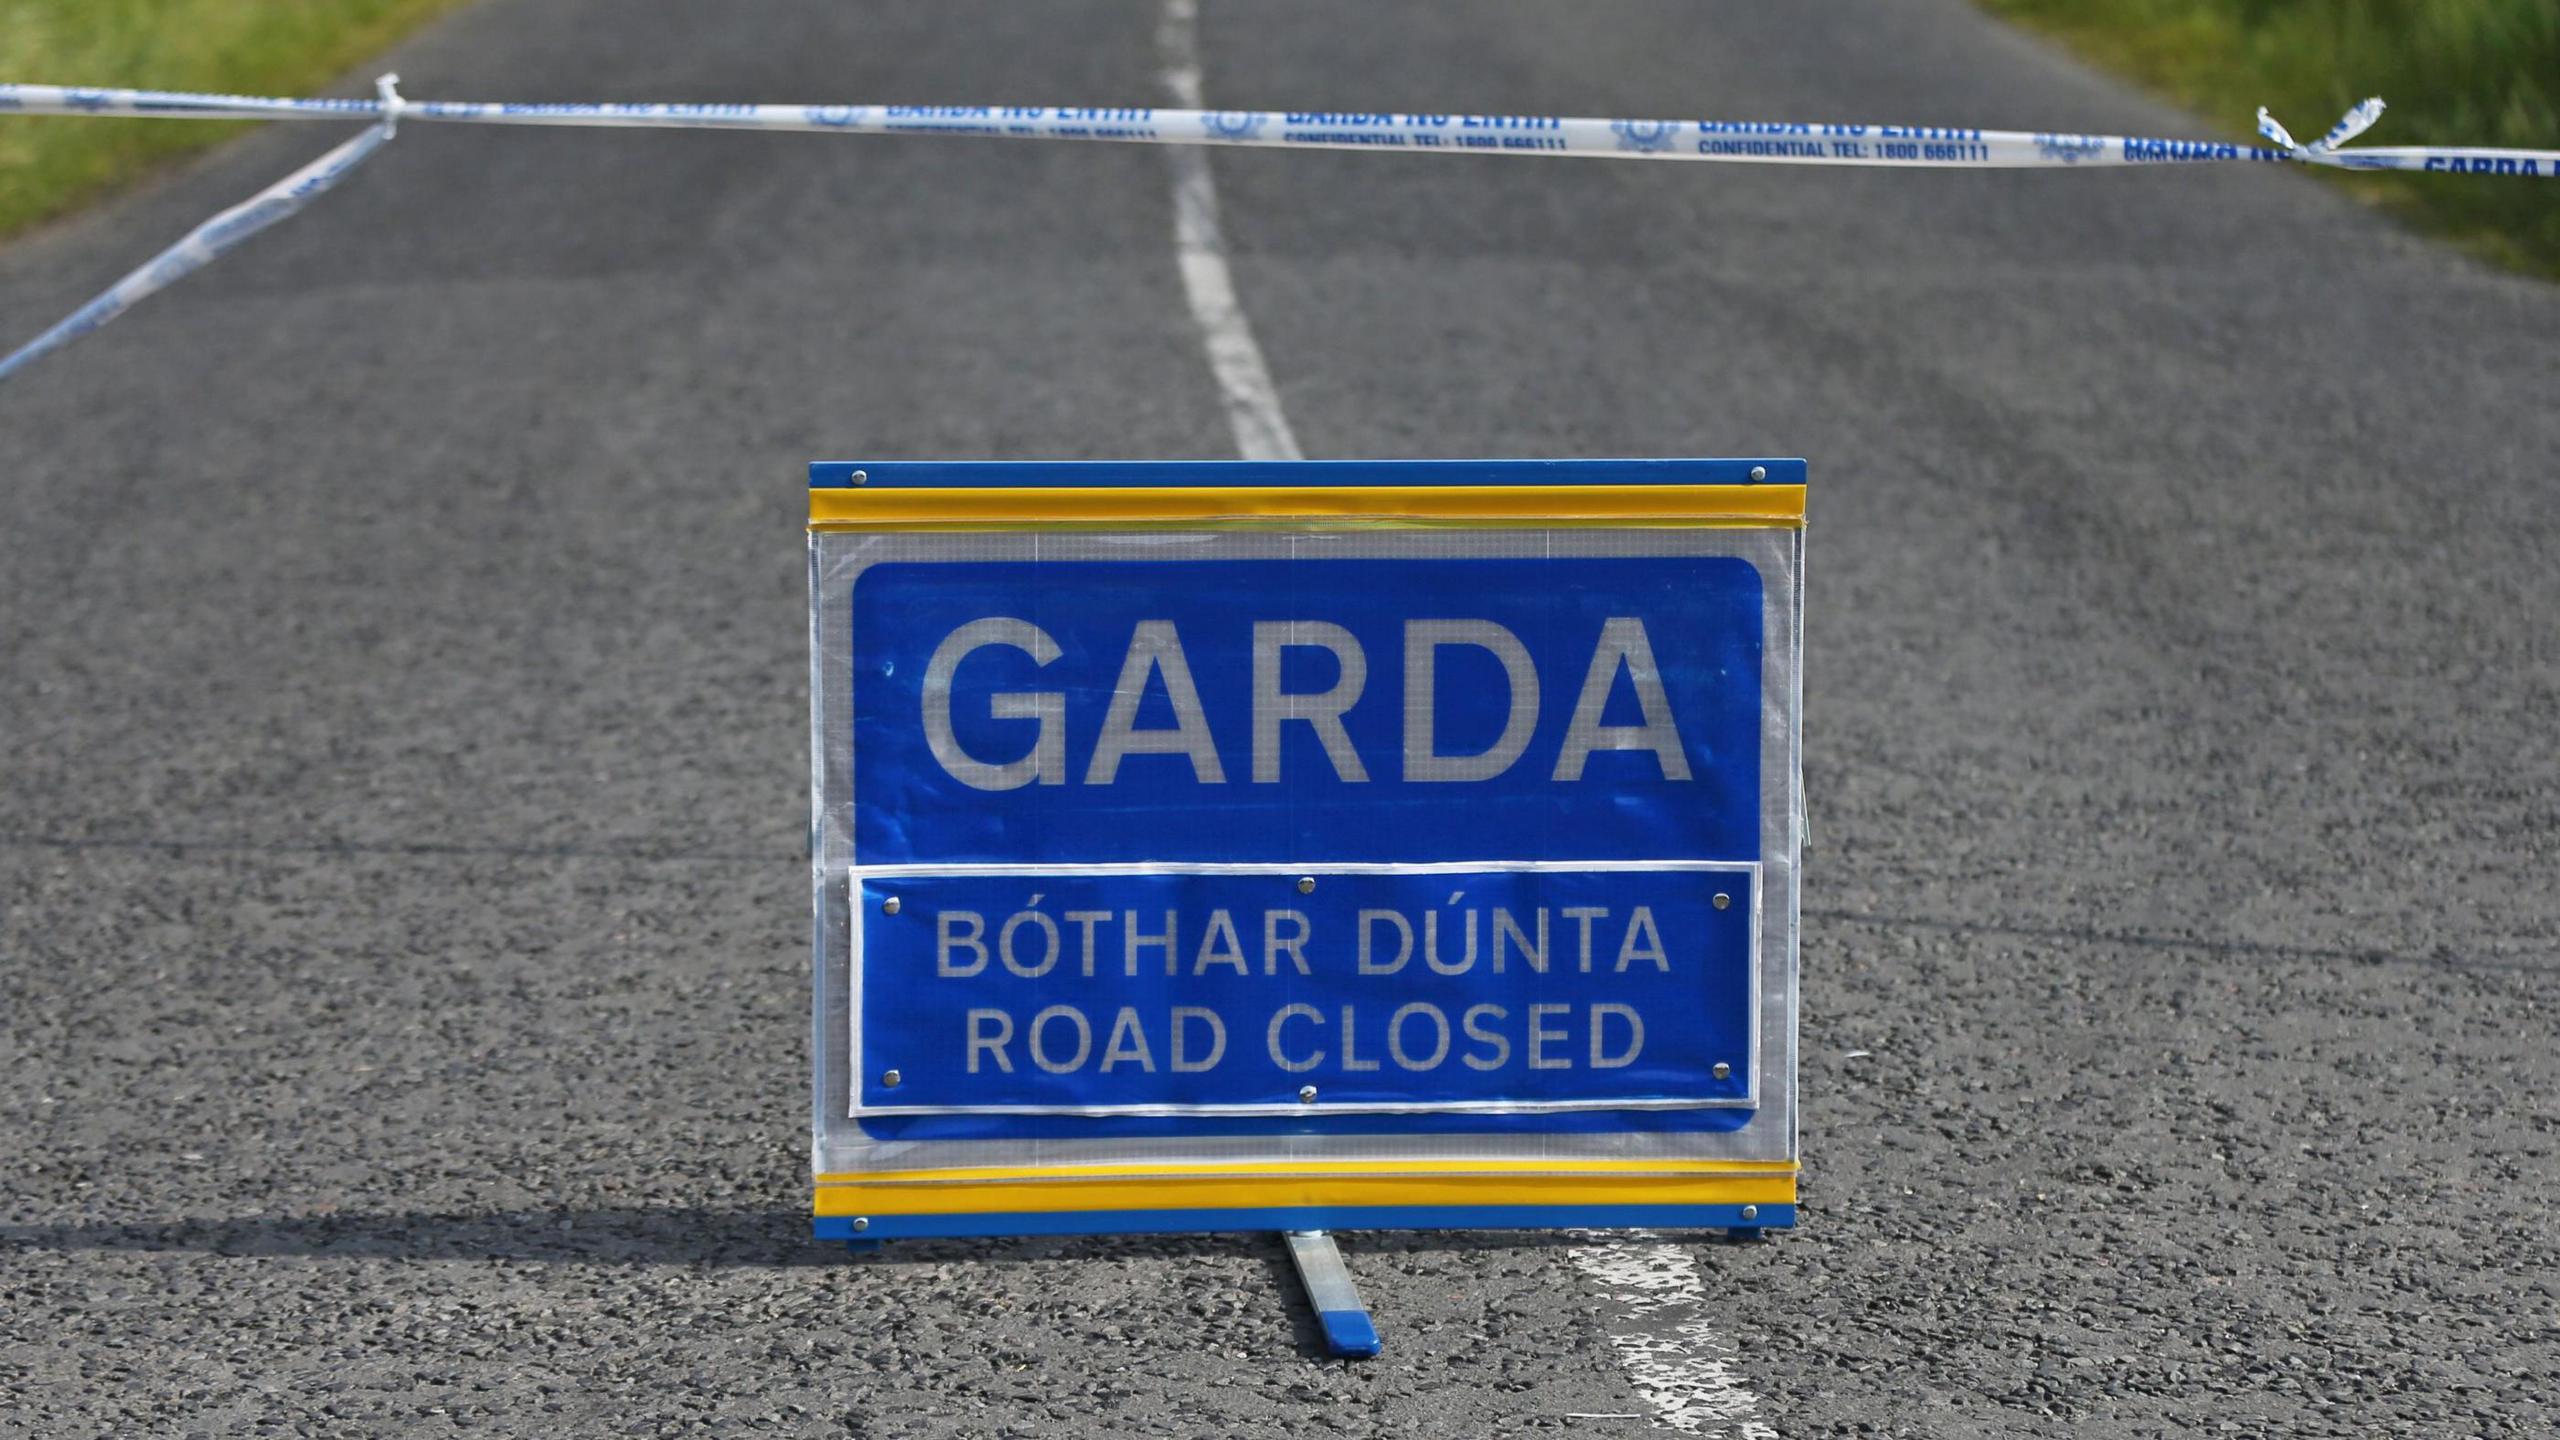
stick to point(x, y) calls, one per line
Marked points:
point(268, 47)
point(2456, 72)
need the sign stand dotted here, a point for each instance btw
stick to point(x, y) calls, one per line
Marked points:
point(1304, 847)
point(1348, 1331)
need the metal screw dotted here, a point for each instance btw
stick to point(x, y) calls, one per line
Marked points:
point(890, 1078)
point(1758, 472)
point(1722, 901)
point(889, 906)
point(863, 477)
point(1722, 1071)
point(861, 1222)
point(1306, 884)
point(1306, 1094)
point(1750, 1212)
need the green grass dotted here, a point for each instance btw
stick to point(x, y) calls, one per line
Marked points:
point(266, 47)
point(2456, 72)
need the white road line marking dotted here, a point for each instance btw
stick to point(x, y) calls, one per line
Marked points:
point(1663, 1339)
point(1665, 1342)
point(1253, 402)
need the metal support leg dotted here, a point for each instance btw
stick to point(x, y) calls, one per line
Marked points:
point(1348, 1331)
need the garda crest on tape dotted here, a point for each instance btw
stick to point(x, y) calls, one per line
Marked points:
point(1304, 846)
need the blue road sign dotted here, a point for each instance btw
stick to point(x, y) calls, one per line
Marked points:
point(1304, 846)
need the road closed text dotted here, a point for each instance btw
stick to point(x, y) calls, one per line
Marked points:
point(1225, 989)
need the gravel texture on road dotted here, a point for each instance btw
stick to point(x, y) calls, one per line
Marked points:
point(403, 970)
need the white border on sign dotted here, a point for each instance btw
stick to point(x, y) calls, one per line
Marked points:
point(843, 1143)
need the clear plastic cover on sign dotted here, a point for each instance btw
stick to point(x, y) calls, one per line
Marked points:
point(1158, 850)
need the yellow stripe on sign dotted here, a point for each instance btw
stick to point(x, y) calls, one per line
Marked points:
point(1711, 506)
point(1286, 1191)
point(1220, 1169)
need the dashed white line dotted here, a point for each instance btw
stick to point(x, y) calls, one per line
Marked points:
point(1662, 1335)
point(1665, 1341)
point(1244, 381)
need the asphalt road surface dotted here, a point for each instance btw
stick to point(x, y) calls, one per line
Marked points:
point(402, 749)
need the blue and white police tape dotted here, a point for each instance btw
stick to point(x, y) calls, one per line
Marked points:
point(1742, 141)
point(205, 244)
point(1748, 142)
